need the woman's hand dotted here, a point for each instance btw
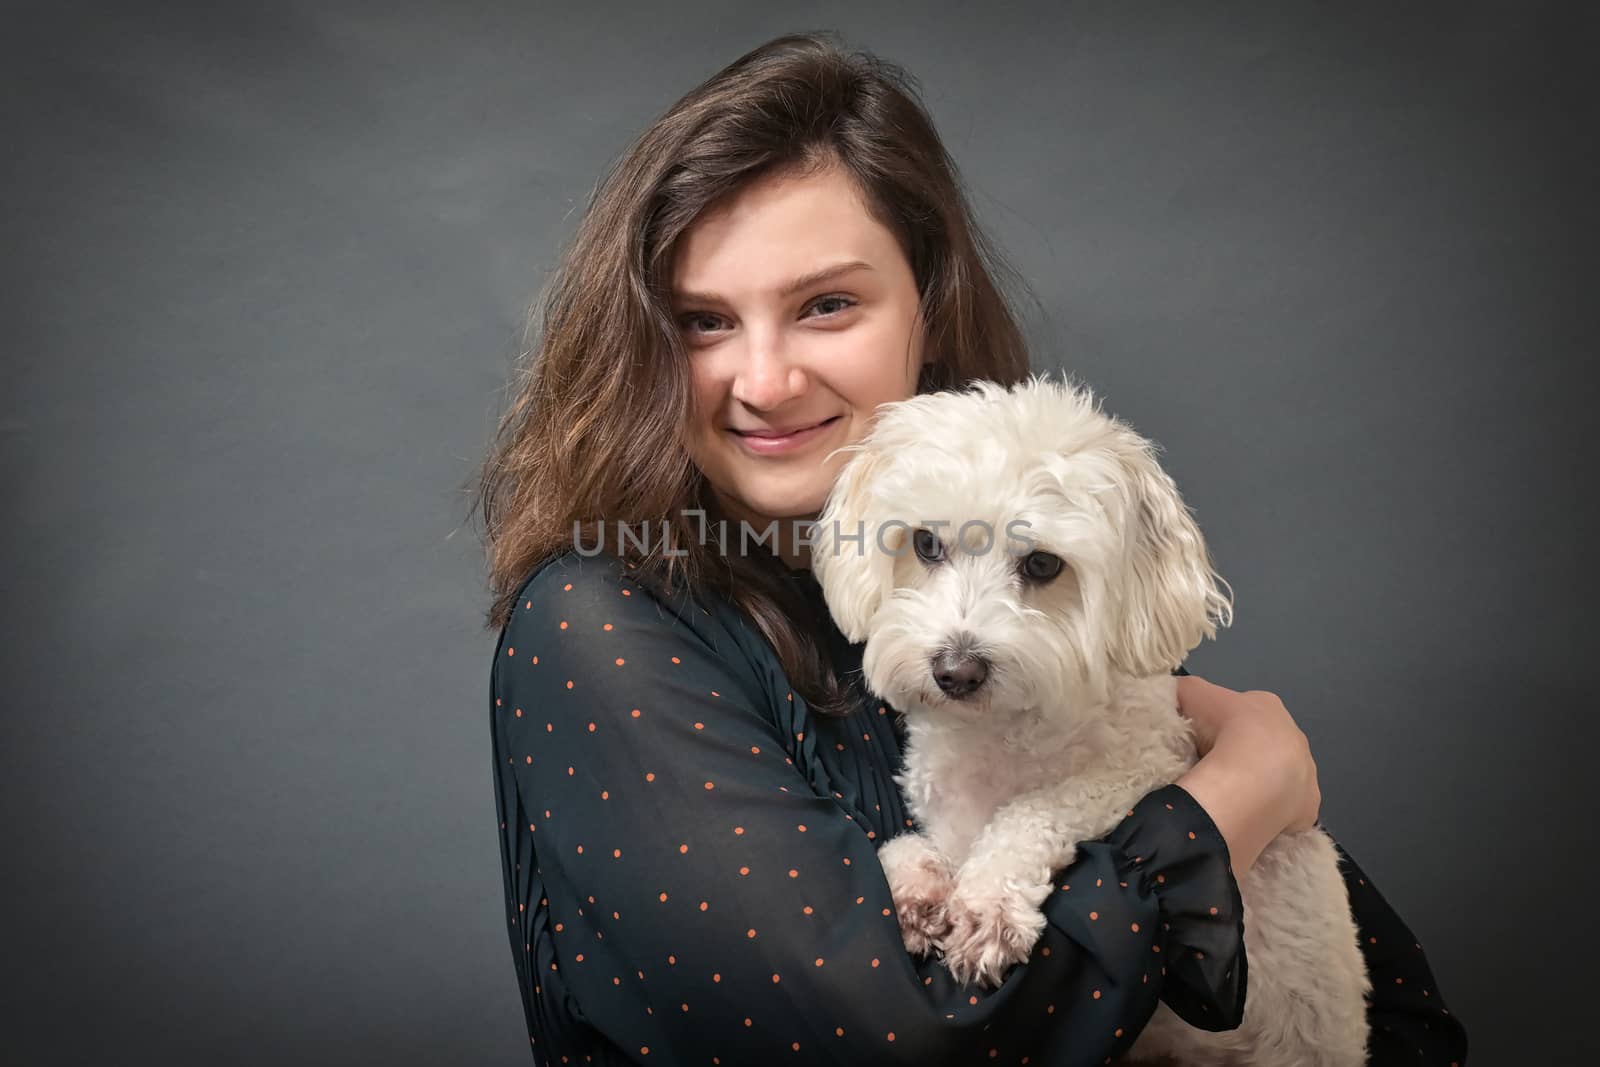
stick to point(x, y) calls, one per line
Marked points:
point(1256, 778)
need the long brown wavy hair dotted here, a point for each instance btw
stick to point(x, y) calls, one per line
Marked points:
point(596, 431)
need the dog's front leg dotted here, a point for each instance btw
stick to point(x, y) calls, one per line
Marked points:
point(994, 911)
point(920, 880)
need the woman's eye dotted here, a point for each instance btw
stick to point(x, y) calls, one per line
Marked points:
point(844, 300)
point(693, 318)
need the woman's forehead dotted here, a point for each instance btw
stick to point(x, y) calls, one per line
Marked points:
point(774, 234)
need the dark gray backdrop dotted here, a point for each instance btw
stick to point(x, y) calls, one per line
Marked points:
point(264, 271)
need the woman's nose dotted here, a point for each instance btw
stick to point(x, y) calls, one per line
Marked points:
point(767, 376)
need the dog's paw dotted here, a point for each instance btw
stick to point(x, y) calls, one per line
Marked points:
point(920, 881)
point(989, 931)
point(922, 920)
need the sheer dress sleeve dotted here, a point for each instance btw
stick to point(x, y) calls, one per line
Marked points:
point(679, 891)
point(1407, 1015)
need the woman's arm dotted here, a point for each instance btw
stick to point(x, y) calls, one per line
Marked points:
point(707, 901)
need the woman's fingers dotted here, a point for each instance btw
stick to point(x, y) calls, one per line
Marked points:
point(1310, 794)
point(1206, 705)
point(1295, 748)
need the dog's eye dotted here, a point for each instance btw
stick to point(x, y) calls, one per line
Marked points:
point(1040, 566)
point(927, 546)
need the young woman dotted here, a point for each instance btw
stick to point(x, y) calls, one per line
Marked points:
point(691, 783)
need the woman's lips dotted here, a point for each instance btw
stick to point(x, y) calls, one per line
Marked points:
point(770, 446)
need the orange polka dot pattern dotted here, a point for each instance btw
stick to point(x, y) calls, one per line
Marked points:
point(690, 871)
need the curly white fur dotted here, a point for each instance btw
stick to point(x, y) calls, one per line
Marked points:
point(1075, 716)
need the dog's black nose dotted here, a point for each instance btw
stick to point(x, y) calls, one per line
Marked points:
point(959, 673)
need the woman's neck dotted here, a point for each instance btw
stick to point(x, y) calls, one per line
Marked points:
point(789, 541)
point(789, 536)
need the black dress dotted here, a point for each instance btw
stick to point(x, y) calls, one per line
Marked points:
point(690, 870)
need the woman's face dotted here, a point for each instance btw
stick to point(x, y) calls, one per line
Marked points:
point(768, 357)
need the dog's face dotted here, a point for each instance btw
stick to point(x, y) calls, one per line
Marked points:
point(1018, 549)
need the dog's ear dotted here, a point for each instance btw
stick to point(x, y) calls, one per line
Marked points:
point(854, 570)
point(1171, 598)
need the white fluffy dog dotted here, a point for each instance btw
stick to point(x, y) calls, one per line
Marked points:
point(1034, 675)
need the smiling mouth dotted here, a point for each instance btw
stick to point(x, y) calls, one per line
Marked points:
point(765, 436)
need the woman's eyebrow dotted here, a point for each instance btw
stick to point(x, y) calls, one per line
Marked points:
point(803, 282)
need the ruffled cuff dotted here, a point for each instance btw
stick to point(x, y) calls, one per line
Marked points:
point(1175, 849)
